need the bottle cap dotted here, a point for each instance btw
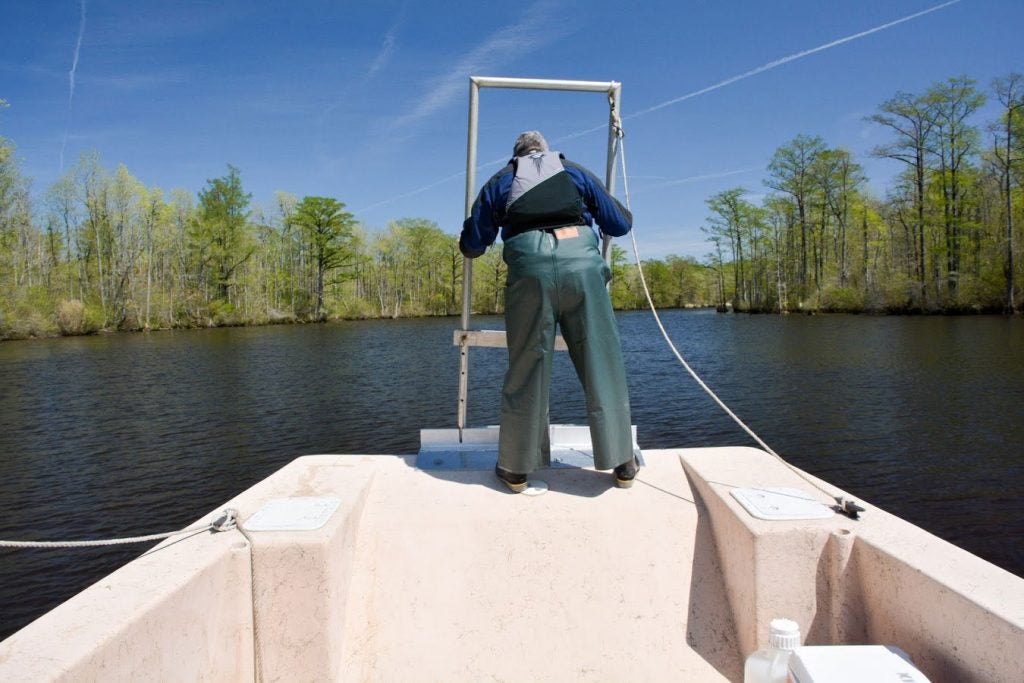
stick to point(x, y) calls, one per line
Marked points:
point(785, 634)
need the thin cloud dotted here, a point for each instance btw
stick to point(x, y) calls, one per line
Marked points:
point(663, 240)
point(536, 30)
point(31, 69)
point(71, 82)
point(386, 50)
point(697, 178)
point(533, 32)
point(78, 50)
point(411, 193)
point(424, 188)
point(132, 82)
point(377, 64)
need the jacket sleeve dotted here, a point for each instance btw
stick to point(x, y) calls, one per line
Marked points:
point(480, 229)
point(613, 218)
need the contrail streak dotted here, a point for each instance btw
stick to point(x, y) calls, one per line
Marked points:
point(790, 58)
point(411, 193)
point(71, 83)
point(721, 84)
point(769, 66)
point(697, 178)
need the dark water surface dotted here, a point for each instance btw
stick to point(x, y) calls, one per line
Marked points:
point(122, 435)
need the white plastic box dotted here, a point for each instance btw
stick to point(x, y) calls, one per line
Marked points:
point(852, 664)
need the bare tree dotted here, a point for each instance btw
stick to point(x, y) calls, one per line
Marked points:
point(790, 170)
point(911, 117)
point(955, 142)
point(1010, 92)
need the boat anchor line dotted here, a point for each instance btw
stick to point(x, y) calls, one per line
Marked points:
point(843, 506)
point(226, 522)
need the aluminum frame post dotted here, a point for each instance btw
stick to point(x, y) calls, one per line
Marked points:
point(467, 264)
point(614, 100)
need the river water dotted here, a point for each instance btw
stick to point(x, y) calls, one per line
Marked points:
point(124, 435)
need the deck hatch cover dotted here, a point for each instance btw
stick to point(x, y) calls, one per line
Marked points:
point(293, 514)
point(781, 504)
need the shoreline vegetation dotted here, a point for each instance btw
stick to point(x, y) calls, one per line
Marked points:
point(63, 327)
point(99, 251)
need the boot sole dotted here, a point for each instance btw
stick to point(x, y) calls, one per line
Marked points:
point(515, 488)
point(623, 483)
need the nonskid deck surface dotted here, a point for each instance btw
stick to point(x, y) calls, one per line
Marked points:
point(455, 579)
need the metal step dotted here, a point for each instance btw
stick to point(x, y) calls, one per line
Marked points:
point(440, 449)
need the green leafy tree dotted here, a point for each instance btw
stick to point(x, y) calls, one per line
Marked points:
point(791, 173)
point(384, 273)
point(92, 184)
point(128, 238)
point(327, 229)
point(836, 179)
point(221, 235)
point(623, 291)
point(489, 276)
point(10, 187)
point(1008, 152)
point(954, 144)
point(65, 216)
point(182, 294)
point(158, 243)
point(912, 119)
point(780, 217)
point(717, 264)
point(737, 221)
point(16, 233)
point(428, 258)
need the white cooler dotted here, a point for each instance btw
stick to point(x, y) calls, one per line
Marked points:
point(852, 664)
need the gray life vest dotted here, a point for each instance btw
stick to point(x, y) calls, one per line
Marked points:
point(543, 195)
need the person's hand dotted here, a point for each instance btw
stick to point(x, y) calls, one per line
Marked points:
point(469, 253)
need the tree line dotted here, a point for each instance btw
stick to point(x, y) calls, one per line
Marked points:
point(105, 252)
point(99, 250)
point(945, 237)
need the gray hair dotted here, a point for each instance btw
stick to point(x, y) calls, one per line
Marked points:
point(530, 141)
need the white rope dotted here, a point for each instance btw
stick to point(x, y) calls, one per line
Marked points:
point(224, 523)
point(620, 134)
point(257, 651)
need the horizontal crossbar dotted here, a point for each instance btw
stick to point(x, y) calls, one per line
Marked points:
point(493, 339)
point(543, 84)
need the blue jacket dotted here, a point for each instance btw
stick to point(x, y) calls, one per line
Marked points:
point(490, 210)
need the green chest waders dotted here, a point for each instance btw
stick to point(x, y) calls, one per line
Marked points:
point(557, 278)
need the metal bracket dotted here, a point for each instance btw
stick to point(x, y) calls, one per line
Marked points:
point(848, 508)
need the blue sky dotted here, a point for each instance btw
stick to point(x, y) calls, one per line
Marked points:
point(367, 101)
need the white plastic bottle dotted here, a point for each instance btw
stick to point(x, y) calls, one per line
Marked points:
point(772, 665)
